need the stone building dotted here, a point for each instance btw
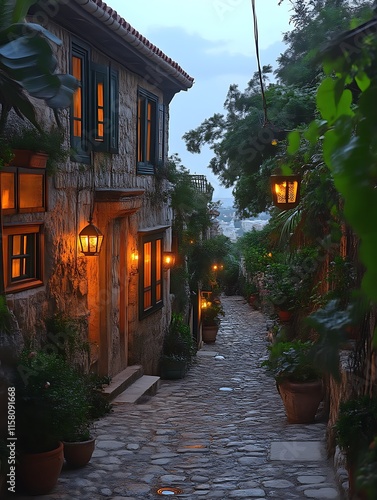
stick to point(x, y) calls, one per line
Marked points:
point(117, 131)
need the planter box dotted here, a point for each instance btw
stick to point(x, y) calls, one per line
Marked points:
point(172, 369)
point(27, 158)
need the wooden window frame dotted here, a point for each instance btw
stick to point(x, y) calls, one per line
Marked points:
point(148, 158)
point(157, 282)
point(17, 172)
point(93, 75)
point(35, 278)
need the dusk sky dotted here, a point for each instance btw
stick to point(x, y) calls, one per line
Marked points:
point(213, 41)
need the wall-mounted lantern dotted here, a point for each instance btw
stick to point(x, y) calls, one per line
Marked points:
point(285, 191)
point(168, 260)
point(91, 239)
point(134, 261)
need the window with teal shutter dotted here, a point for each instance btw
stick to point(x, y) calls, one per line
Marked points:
point(95, 109)
point(150, 132)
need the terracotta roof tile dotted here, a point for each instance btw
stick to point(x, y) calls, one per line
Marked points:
point(125, 25)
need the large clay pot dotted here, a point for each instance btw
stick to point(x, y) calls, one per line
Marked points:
point(301, 400)
point(79, 453)
point(284, 316)
point(38, 473)
point(209, 333)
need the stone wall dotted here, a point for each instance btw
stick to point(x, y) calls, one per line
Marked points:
point(101, 290)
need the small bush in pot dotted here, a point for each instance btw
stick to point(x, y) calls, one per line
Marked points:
point(366, 477)
point(298, 380)
point(356, 426)
point(51, 402)
point(292, 360)
point(178, 349)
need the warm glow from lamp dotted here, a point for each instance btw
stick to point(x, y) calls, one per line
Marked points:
point(90, 239)
point(168, 260)
point(205, 303)
point(135, 257)
point(285, 191)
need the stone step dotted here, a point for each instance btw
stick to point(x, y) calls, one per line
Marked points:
point(146, 385)
point(122, 380)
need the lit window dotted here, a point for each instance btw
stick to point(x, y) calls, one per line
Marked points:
point(150, 132)
point(95, 108)
point(151, 274)
point(23, 256)
point(23, 190)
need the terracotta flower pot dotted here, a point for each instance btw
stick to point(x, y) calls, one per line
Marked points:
point(79, 453)
point(301, 400)
point(284, 316)
point(27, 158)
point(209, 333)
point(38, 473)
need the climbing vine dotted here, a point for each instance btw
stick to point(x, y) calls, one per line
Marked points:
point(348, 132)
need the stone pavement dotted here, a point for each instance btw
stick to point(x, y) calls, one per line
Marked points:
point(220, 433)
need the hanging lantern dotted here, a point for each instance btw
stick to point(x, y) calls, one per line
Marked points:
point(90, 239)
point(168, 260)
point(285, 191)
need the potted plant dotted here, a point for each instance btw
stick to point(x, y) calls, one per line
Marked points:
point(211, 318)
point(355, 429)
point(79, 442)
point(366, 477)
point(298, 380)
point(51, 402)
point(37, 148)
point(282, 288)
point(178, 349)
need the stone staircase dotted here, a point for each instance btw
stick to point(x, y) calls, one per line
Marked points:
point(131, 386)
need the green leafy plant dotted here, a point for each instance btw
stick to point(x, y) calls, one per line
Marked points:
point(330, 323)
point(366, 477)
point(291, 360)
point(52, 401)
point(282, 285)
point(178, 343)
point(49, 142)
point(212, 313)
point(32, 73)
point(356, 426)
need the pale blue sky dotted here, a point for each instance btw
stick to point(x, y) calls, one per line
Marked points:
point(213, 41)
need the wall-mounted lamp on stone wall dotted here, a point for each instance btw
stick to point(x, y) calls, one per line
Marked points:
point(91, 239)
point(168, 260)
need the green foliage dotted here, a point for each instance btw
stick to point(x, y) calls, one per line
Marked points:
point(191, 206)
point(49, 142)
point(291, 360)
point(212, 313)
point(330, 323)
point(201, 257)
point(243, 146)
point(178, 342)
point(366, 478)
point(55, 401)
point(349, 134)
point(281, 285)
point(52, 401)
point(5, 316)
point(63, 338)
point(356, 426)
point(32, 72)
